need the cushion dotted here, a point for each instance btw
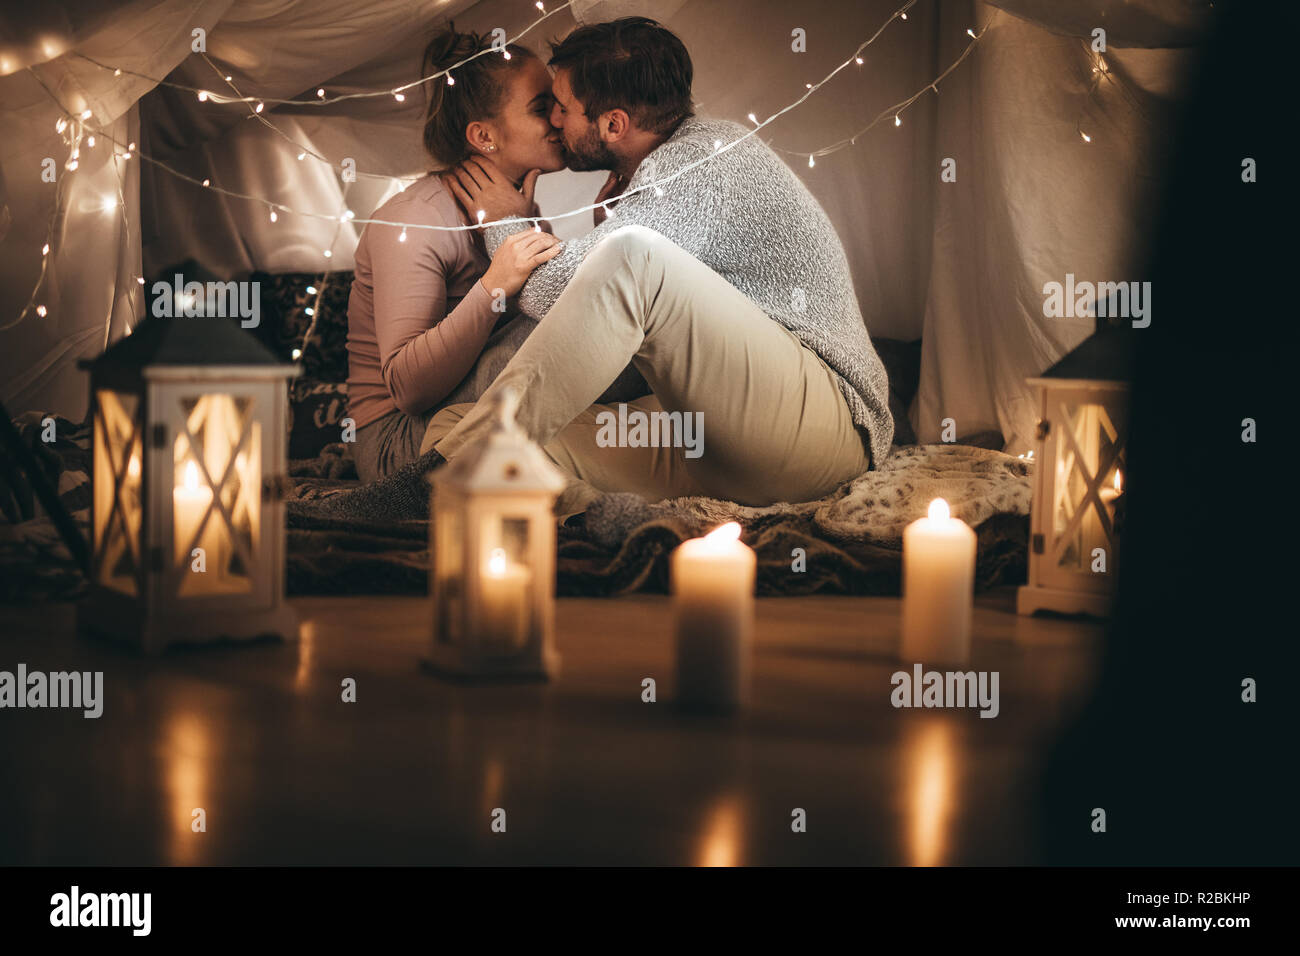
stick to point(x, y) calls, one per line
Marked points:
point(902, 361)
point(315, 410)
point(285, 301)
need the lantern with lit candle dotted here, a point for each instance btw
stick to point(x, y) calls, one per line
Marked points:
point(1078, 501)
point(189, 419)
point(493, 547)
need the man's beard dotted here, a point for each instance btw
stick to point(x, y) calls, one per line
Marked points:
point(589, 153)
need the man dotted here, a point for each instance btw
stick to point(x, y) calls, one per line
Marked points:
point(717, 275)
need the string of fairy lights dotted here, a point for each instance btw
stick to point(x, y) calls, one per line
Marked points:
point(75, 127)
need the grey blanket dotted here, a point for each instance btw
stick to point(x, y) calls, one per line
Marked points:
point(374, 538)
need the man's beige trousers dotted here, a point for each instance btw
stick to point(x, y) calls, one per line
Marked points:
point(774, 424)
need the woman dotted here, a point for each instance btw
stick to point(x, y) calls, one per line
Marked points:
point(427, 321)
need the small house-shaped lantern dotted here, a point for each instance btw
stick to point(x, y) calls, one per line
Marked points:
point(493, 547)
point(189, 418)
point(1078, 503)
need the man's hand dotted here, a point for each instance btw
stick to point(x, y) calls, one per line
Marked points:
point(613, 187)
point(479, 185)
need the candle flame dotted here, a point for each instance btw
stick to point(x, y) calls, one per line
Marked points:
point(724, 533)
point(191, 477)
point(497, 562)
point(1119, 482)
point(939, 510)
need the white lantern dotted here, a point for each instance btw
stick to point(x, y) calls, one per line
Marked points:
point(1078, 506)
point(189, 418)
point(493, 545)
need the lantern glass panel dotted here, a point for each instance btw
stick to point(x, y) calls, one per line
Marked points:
point(1089, 481)
point(117, 490)
point(216, 499)
point(505, 612)
point(449, 570)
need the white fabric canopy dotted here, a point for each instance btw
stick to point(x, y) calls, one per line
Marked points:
point(961, 264)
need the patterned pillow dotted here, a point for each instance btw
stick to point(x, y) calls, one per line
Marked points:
point(285, 301)
point(315, 410)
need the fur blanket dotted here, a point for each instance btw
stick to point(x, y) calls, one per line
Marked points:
point(343, 538)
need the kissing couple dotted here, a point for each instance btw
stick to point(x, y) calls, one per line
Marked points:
point(715, 287)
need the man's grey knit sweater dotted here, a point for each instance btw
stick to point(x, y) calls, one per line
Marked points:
point(749, 218)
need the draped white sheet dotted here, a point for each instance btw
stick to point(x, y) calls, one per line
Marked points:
point(961, 263)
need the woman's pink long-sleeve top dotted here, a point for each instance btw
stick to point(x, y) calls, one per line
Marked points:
point(418, 316)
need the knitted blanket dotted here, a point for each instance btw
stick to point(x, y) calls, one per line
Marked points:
point(374, 539)
point(349, 539)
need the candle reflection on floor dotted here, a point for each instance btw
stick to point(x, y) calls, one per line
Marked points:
point(188, 751)
point(929, 777)
point(494, 781)
point(721, 841)
point(306, 654)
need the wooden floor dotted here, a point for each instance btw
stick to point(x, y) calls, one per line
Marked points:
point(587, 773)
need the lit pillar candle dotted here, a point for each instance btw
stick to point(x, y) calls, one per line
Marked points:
point(713, 603)
point(190, 502)
point(938, 585)
point(503, 610)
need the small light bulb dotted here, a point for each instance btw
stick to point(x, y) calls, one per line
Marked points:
point(320, 91)
point(117, 72)
point(971, 32)
point(130, 146)
point(857, 60)
point(402, 237)
point(110, 204)
point(302, 156)
point(481, 214)
point(505, 53)
point(297, 354)
point(61, 125)
point(658, 191)
point(717, 144)
point(1086, 137)
point(897, 120)
point(311, 290)
point(349, 214)
point(809, 85)
point(539, 6)
point(753, 118)
point(274, 217)
point(86, 114)
point(537, 227)
point(228, 79)
point(90, 141)
point(400, 97)
point(139, 280)
point(207, 182)
point(203, 96)
point(328, 253)
point(309, 311)
point(905, 16)
point(258, 108)
point(451, 80)
point(126, 155)
point(71, 164)
point(609, 212)
point(40, 310)
point(45, 249)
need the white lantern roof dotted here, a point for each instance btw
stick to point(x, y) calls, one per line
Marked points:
point(1105, 358)
point(217, 346)
point(507, 462)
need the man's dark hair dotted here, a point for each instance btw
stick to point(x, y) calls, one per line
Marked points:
point(633, 64)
